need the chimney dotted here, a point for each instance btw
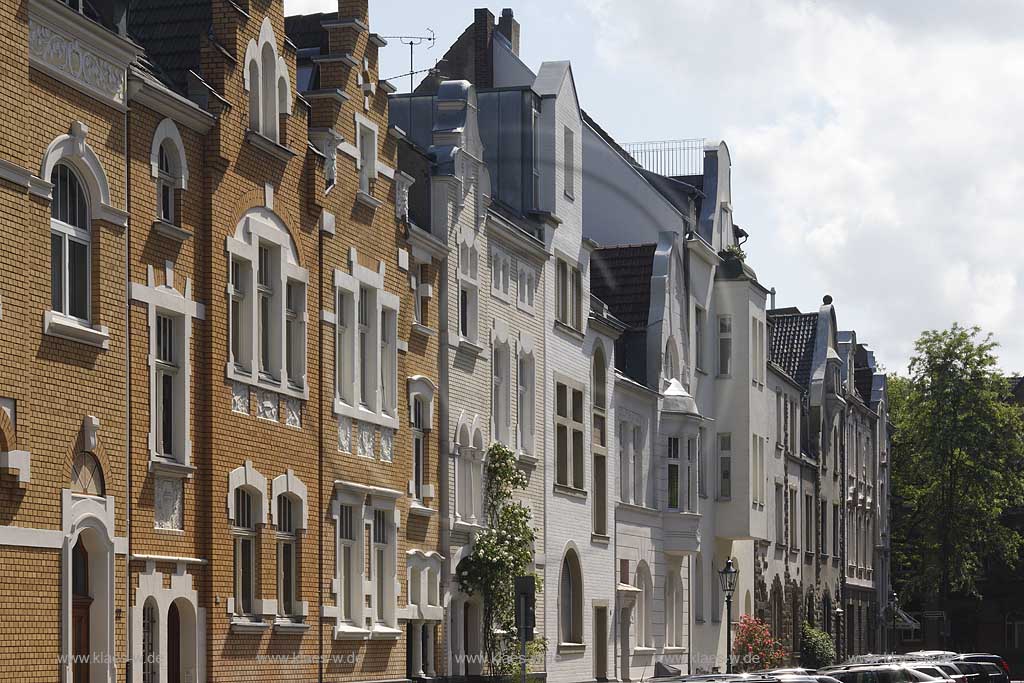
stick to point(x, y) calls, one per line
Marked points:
point(509, 27)
point(483, 29)
point(354, 9)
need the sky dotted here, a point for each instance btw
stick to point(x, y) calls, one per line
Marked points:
point(876, 146)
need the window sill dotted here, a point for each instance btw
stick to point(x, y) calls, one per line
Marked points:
point(466, 527)
point(569, 330)
point(169, 532)
point(171, 231)
point(265, 144)
point(570, 196)
point(644, 651)
point(59, 325)
point(369, 200)
point(364, 414)
point(286, 625)
point(674, 650)
point(346, 631)
point(170, 468)
point(245, 625)
point(419, 509)
point(421, 329)
point(600, 539)
point(571, 491)
point(262, 381)
point(528, 460)
point(701, 371)
point(382, 632)
point(470, 347)
point(572, 648)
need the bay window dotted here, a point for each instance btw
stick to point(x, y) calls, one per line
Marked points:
point(673, 473)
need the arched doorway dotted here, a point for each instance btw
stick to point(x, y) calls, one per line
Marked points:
point(81, 603)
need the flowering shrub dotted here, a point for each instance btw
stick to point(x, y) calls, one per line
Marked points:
point(753, 646)
point(502, 551)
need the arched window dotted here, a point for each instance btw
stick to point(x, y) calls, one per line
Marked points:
point(570, 600)
point(167, 200)
point(267, 81)
point(644, 606)
point(254, 95)
point(87, 475)
point(69, 244)
point(150, 664)
point(268, 84)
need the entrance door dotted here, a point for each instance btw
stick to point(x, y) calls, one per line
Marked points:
point(601, 643)
point(80, 638)
point(624, 643)
point(173, 645)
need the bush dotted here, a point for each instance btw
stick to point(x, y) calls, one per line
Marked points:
point(754, 648)
point(816, 648)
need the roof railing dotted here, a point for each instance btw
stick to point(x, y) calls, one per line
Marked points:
point(669, 157)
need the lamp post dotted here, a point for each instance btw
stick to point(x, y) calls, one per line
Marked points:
point(727, 578)
point(838, 612)
point(895, 606)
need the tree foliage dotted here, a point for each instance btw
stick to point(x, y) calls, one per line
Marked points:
point(501, 551)
point(956, 466)
point(816, 648)
point(754, 647)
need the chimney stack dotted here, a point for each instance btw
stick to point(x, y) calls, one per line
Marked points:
point(509, 27)
point(354, 9)
point(483, 29)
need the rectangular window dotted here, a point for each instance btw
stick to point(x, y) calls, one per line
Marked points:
point(365, 348)
point(346, 540)
point(526, 405)
point(725, 466)
point(265, 291)
point(794, 534)
point(808, 523)
point(835, 531)
point(343, 347)
point(569, 156)
point(724, 345)
point(57, 272)
point(780, 419)
point(823, 540)
point(243, 574)
point(166, 371)
point(294, 337)
point(569, 436)
point(562, 293)
point(367, 158)
point(639, 482)
point(755, 471)
point(387, 361)
point(699, 324)
point(673, 473)
point(625, 466)
point(569, 295)
point(702, 465)
point(780, 523)
point(600, 494)
point(240, 352)
point(380, 573)
point(417, 449)
point(500, 380)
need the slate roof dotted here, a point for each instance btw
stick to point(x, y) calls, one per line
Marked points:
point(863, 380)
point(621, 277)
point(792, 343)
point(305, 31)
point(170, 31)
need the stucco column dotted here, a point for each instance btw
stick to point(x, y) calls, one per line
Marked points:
point(428, 655)
point(416, 645)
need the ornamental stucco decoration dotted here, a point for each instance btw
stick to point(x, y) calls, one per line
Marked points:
point(168, 504)
point(387, 440)
point(71, 58)
point(345, 434)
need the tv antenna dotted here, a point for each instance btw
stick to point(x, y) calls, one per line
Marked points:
point(413, 42)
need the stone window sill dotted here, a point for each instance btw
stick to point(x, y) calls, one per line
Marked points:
point(570, 491)
point(265, 144)
point(170, 468)
point(423, 330)
point(287, 625)
point(421, 510)
point(572, 648)
point(569, 330)
point(59, 325)
point(171, 231)
point(245, 625)
point(369, 200)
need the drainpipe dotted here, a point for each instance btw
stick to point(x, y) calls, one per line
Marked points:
point(128, 388)
point(444, 513)
point(320, 449)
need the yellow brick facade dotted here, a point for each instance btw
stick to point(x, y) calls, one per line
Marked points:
point(53, 387)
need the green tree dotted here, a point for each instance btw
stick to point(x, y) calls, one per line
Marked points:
point(501, 552)
point(956, 466)
point(816, 648)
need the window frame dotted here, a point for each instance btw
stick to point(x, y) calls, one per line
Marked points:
point(287, 569)
point(243, 530)
point(673, 466)
point(724, 343)
point(572, 422)
point(70, 233)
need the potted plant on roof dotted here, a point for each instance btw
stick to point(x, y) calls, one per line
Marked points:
point(732, 260)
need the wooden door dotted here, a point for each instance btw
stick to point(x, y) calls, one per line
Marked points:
point(601, 643)
point(80, 666)
point(173, 645)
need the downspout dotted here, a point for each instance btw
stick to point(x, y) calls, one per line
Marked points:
point(444, 516)
point(128, 387)
point(320, 448)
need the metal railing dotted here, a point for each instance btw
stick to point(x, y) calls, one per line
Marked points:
point(669, 157)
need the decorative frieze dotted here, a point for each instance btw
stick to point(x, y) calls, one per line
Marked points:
point(387, 441)
point(365, 445)
point(70, 59)
point(240, 397)
point(293, 412)
point(266, 405)
point(345, 434)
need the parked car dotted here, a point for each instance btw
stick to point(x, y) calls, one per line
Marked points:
point(995, 672)
point(986, 657)
point(973, 671)
point(929, 669)
point(879, 673)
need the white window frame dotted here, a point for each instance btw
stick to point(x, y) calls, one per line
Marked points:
point(724, 346)
point(267, 81)
point(700, 319)
point(255, 484)
point(421, 417)
point(639, 476)
point(172, 176)
point(725, 465)
point(501, 273)
point(69, 233)
point(501, 390)
point(674, 466)
point(526, 373)
point(289, 487)
point(365, 391)
point(262, 228)
point(569, 294)
point(366, 161)
point(179, 307)
point(468, 302)
point(526, 288)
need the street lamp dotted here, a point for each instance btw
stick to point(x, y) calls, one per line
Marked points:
point(727, 577)
point(895, 607)
point(839, 624)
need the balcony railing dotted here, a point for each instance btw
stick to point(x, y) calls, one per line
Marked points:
point(669, 157)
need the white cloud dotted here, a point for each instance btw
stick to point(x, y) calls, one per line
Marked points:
point(876, 150)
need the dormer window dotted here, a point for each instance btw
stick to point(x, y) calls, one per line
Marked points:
point(268, 84)
point(169, 170)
